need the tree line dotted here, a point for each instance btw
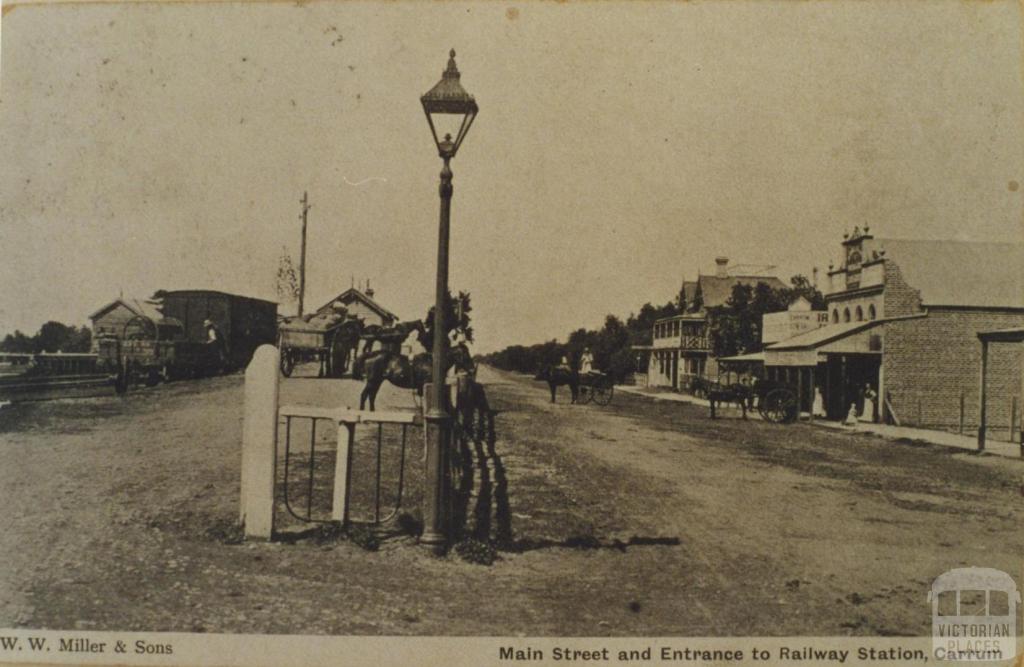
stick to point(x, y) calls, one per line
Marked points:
point(735, 328)
point(51, 337)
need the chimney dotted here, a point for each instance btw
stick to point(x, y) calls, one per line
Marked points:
point(814, 277)
point(369, 290)
point(720, 267)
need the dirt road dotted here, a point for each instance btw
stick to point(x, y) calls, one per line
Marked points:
point(641, 518)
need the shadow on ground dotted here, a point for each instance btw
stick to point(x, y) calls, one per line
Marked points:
point(481, 499)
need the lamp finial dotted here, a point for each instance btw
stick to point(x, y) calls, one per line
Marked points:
point(451, 72)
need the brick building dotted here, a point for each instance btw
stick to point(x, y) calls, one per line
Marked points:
point(904, 318)
point(681, 345)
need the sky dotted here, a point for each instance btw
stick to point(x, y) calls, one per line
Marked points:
point(619, 147)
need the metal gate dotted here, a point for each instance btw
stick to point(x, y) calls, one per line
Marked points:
point(397, 423)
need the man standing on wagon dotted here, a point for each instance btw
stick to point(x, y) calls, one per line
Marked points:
point(215, 339)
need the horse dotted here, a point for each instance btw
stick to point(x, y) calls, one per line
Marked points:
point(406, 373)
point(390, 339)
point(740, 394)
point(556, 376)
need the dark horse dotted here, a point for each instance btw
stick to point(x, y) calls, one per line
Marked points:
point(556, 376)
point(740, 394)
point(405, 373)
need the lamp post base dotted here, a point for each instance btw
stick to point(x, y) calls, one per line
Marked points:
point(436, 514)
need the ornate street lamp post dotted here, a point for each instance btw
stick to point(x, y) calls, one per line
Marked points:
point(450, 110)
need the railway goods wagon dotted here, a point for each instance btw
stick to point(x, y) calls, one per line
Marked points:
point(246, 323)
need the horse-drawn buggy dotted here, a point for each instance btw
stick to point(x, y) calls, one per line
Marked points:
point(774, 401)
point(328, 340)
point(597, 387)
point(583, 387)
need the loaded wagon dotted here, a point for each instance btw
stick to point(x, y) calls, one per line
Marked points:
point(150, 351)
point(326, 339)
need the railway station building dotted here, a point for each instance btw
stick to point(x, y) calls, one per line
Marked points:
point(903, 320)
point(361, 304)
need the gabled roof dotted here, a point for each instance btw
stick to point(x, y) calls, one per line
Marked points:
point(352, 294)
point(960, 273)
point(716, 290)
point(142, 308)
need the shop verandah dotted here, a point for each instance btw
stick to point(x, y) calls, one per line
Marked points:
point(828, 388)
point(830, 370)
point(836, 370)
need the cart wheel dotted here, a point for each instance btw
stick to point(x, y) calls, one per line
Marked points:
point(602, 393)
point(152, 378)
point(780, 406)
point(585, 395)
point(287, 363)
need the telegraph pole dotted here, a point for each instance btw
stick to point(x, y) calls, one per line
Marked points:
point(302, 257)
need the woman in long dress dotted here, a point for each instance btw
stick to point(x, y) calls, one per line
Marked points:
point(586, 362)
point(868, 413)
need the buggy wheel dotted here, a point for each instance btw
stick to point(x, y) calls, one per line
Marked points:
point(603, 393)
point(287, 363)
point(780, 406)
point(585, 395)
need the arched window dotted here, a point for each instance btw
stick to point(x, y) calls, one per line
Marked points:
point(871, 312)
point(835, 316)
point(860, 314)
point(846, 314)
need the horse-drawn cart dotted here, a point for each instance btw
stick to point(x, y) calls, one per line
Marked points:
point(596, 387)
point(321, 340)
point(775, 402)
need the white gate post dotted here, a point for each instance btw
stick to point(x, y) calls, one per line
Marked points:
point(259, 443)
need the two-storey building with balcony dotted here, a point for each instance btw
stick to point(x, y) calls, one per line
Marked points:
point(681, 345)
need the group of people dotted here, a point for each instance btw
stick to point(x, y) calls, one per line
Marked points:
point(389, 340)
point(586, 362)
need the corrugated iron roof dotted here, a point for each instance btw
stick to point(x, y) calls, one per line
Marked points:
point(960, 273)
point(148, 309)
point(753, 356)
point(351, 293)
point(822, 335)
